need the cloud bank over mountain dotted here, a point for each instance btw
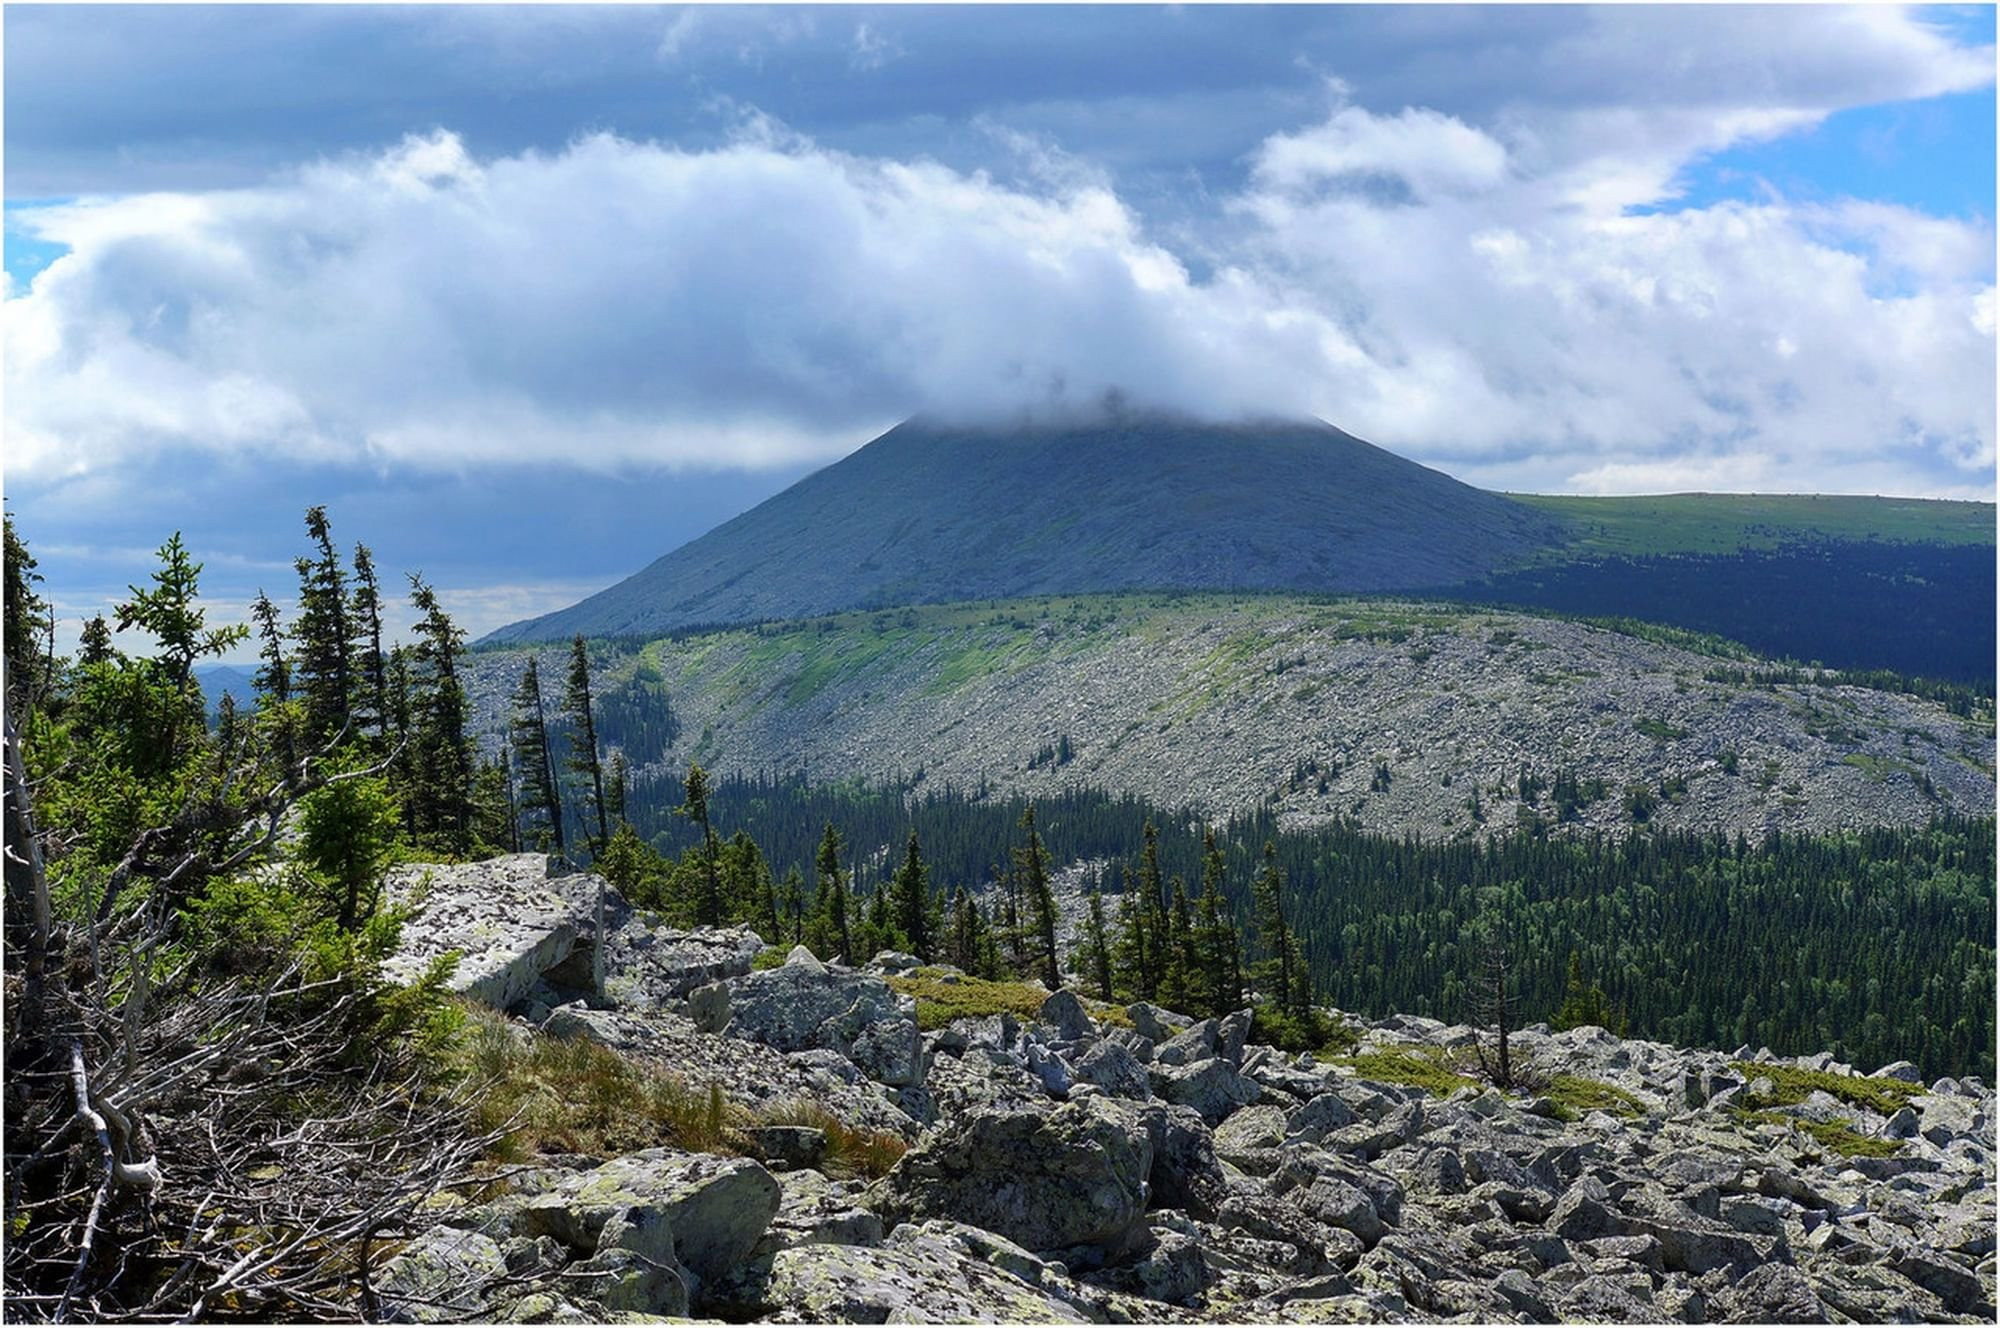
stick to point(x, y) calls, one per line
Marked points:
point(1515, 290)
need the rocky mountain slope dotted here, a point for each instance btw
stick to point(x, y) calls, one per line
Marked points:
point(1083, 1163)
point(1406, 717)
point(929, 513)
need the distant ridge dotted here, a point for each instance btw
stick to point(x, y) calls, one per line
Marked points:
point(930, 513)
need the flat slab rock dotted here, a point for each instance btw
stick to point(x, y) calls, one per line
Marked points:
point(508, 919)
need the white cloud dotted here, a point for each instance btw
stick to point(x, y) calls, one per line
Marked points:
point(1472, 290)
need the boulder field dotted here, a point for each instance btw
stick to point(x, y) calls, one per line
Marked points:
point(1098, 1164)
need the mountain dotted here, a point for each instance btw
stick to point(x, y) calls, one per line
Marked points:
point(930, 513)
point(1415, 718)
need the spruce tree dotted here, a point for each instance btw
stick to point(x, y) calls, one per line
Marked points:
point(1177, 972)
point(830, 884)
point(94, 647)
point(324, 659)
point(909, 893)
point(1131, 955)
point(528, 735)
point(791, 909)
point(1274, 974)
point(708, 893)
point(616, 781)
point(371, 665)
point(1153, 906)
point(583, 758)
point(442, 768)
point(1095, 955)
point(1032, 866)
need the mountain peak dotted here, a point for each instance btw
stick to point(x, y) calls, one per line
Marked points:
point(1121, 499)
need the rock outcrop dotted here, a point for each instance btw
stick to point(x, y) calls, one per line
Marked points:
point(1061, 1169)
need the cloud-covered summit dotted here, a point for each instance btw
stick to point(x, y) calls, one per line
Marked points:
point(1490, 239)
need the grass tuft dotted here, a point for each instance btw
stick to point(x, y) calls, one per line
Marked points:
point(571, 1095)
point(851, 1152)
point(1831, 1135)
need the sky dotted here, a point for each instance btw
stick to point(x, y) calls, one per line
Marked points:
point(529, 296)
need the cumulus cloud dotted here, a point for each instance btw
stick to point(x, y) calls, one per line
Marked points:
point(1494, 294)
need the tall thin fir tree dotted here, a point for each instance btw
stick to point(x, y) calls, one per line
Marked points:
point(1096, 954)
point(1177, 971)
point(324, 668)
point(1031, 863)
point(528, 732)
point(1153, 902)
point(583, 756)
point(831, 886)
point(443, 765)
point(1131, 956)
point(1274, 975)
point(372, 666)
point(617, 780)
point(910, 900)
point(708, 894)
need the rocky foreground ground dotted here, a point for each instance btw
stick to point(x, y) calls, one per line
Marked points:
point(1086, 1163)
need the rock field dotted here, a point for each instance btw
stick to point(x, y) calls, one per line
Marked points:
point(1398, 716)
point(1105, 1166)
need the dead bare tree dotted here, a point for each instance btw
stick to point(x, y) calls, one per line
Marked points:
point(1492, 1011)
point(182, 1146)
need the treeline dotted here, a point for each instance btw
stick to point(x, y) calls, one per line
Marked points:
point(1876, 944)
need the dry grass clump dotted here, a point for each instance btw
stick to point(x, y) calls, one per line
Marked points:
point(571, 1095)
point(851, 1152)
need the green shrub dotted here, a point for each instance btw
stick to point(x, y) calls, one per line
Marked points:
point(1411, 1067)
point(1576, 1097)
point(770, 957)
point(939, 1001)
point(1792, 1085)
point(1313, 1032)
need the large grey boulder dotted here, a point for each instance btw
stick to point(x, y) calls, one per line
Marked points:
point(1250, 1139)
point(1212, 1087)
point(1195, 1043)
point(1111, 1067)
point(709, 1211)
point(440, 1277)
point(805, 1005)
point(1186, 1174)
point(816, 1211)
point(1074, 1174)
point(1064, 1013)
point(509, 922)
point(913, 1281)
point(653, 966)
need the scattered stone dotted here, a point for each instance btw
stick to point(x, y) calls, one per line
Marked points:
point(1071, 1175)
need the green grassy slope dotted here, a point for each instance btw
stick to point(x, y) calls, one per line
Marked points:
point(1729, 522)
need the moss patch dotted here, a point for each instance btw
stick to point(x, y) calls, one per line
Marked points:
point(1830, 1135)
point(1793, 1085)
point(1423, 1069)
point(1577, 1097)
point(942, 998)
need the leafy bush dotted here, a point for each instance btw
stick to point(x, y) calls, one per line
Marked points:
point(772, 956)
point(1313, 1032)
